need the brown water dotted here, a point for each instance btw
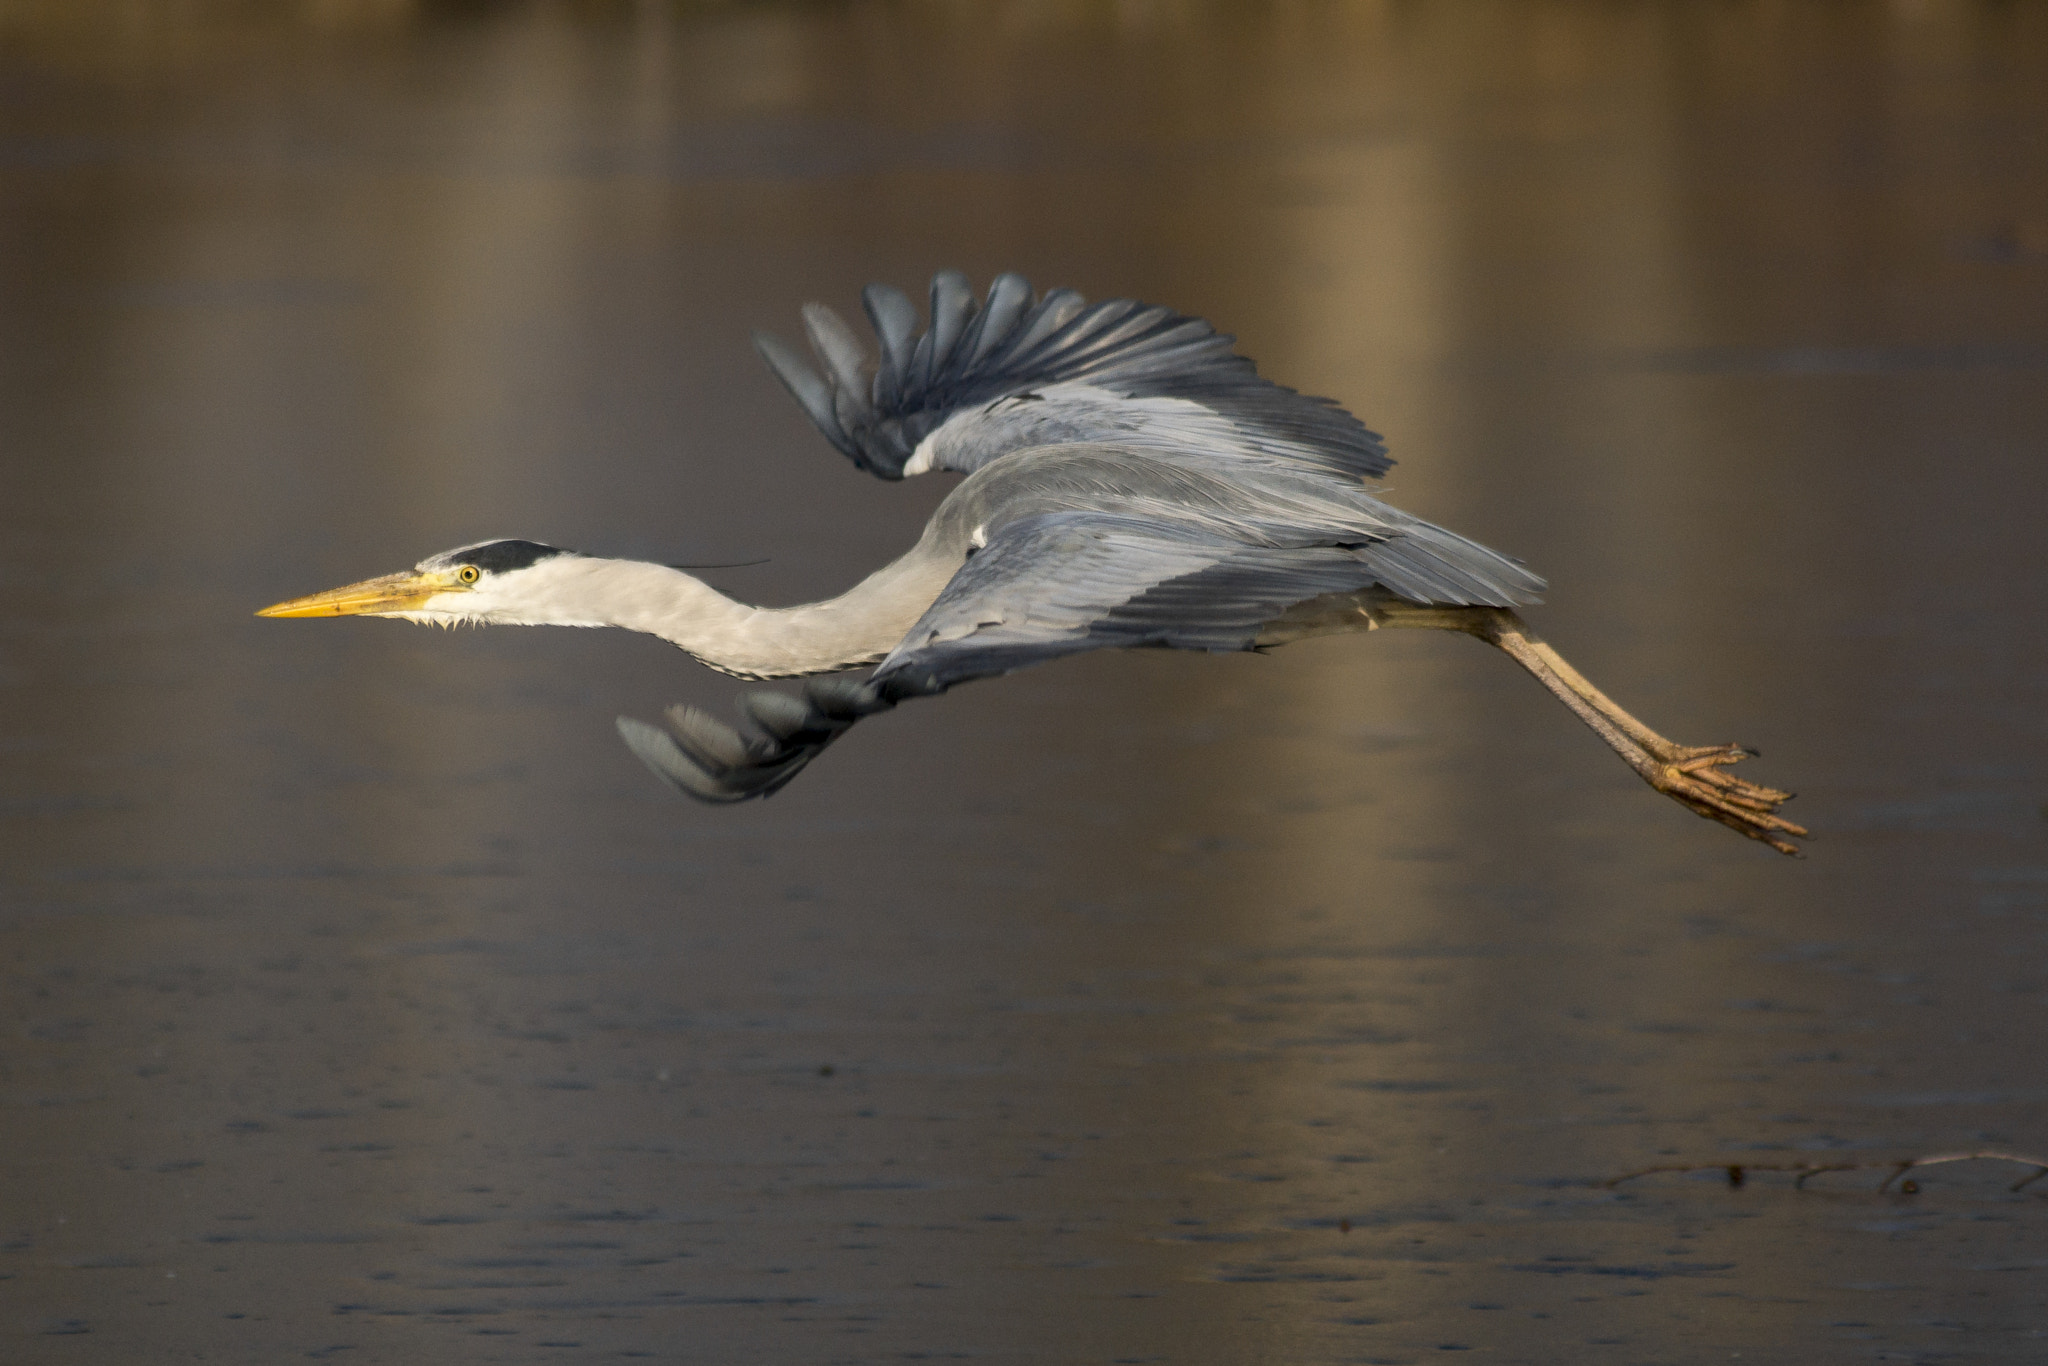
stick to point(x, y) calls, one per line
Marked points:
point(364, 998)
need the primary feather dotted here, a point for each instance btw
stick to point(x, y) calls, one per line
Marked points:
point(1018, 371)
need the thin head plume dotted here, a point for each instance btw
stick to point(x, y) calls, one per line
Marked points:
point(736, 564)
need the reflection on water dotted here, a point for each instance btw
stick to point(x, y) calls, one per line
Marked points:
point(367, 999)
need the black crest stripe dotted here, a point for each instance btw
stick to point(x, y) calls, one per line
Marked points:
point(500, 557)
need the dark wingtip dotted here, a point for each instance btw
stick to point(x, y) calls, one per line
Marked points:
point(658, 750)
point(894, 319)
point(810, 389)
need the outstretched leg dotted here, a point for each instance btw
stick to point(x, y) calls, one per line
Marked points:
point(1695, 775)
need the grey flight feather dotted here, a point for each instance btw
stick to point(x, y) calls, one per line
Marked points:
point(894, 319)
point(806, 387)
point(1063, 583)
point(709, 760)
point(1088, 370)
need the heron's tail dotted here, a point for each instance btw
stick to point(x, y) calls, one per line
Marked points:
point(1429, 565)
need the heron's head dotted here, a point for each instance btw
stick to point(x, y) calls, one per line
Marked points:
point(500, 581)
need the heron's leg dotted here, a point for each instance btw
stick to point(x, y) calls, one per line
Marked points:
point(1694, 775)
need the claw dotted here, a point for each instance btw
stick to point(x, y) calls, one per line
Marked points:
point(1696, 778)
point(1692, 775)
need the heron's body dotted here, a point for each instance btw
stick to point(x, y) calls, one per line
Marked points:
point(1130, 481)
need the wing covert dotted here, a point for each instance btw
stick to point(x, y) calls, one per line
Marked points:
point(1067, 582)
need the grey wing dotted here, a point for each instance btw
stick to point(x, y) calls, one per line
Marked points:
point(1062, 583)
point(1016, 370)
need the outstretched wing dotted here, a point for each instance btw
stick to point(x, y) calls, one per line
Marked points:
point(1062, 583)
point(1016, 371)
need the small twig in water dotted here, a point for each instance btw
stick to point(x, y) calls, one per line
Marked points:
point(1738, 1172)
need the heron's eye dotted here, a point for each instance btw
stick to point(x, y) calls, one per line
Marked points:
point(468, 573)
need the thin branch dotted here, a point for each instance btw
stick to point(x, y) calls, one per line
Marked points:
point(1738, 1172)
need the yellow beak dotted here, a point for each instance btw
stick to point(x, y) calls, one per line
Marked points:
point(372, 597)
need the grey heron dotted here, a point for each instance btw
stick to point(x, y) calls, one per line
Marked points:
point(1130, 480)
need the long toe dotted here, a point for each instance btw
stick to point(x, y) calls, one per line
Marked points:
point(1698, 778)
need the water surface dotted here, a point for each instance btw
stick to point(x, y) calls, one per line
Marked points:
point(365, 999)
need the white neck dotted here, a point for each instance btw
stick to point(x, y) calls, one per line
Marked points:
point(858, 627)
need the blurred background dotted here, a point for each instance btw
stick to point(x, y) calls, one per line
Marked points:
point(363, 998)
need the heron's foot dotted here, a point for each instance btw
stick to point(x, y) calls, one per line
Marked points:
point(713, 762)
point(1698, 777)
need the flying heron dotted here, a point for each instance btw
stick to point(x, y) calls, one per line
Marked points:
point(1130, 481)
